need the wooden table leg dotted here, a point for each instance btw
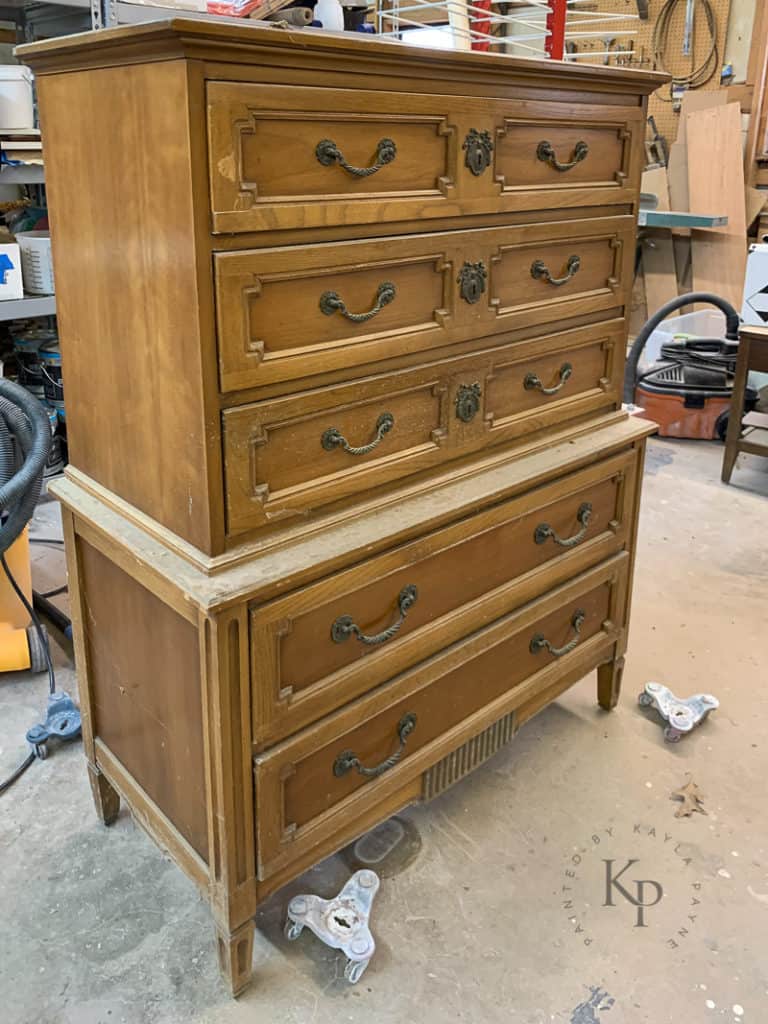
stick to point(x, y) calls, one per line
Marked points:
point(737, 410)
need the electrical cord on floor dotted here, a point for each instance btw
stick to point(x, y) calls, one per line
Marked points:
point(53, 593)
point(46, 540)
point(701, 74)
point(7, 783)
point(30, 758)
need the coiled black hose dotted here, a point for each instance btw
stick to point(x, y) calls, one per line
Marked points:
point(633, 358)
point(25, 441)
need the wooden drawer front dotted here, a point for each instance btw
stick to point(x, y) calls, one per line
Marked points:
point(308, 661)
point(280, 315)
point(562, 155)
point(302, 787)
point(288, 456)
point(276, 156)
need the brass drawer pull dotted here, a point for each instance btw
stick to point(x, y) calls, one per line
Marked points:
point(331, 302)
point(533, 382)
point(544, 531)
point(328, 153)
point(539, 643)
point(333, 438)
point(540, 270)
point(345, 626)
point(546, 153)
point(347, 760)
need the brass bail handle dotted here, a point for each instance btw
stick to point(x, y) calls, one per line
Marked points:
point(328, 153)
point(347, 760)
point(540, 271)
point(331, 302)
point(544, 531)
point(545, 152)
point(345, 626)
point(333, 438)
point(533, 382)
point(540, 643)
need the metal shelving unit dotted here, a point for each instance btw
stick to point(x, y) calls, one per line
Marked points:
point(29, 306)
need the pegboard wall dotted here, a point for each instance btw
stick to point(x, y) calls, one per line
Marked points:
point(642, 43)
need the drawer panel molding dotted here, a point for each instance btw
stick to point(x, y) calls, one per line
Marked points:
point(291, 157)
point(289, 313)
point(404, 728)
point(322, 646)
point(289, 456)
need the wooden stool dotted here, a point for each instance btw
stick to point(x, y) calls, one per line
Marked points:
point(753, 355)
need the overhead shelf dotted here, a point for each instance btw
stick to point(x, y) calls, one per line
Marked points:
point(24, 174)
point(30, 305)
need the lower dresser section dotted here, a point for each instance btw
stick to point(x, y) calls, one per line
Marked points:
point(308, 787)
point(257, 719)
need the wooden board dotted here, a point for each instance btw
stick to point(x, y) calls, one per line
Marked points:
point(658, 253)
point(716, 182)
point(697, 99)
point(754, 201)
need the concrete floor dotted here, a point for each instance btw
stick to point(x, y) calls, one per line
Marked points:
point(98, 927)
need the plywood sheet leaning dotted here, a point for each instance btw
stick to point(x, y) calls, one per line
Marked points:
point(716, 185)
point(658, 253)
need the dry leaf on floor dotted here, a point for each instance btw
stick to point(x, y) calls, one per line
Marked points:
point(692, 800)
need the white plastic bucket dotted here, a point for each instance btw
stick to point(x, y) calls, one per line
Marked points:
point(36, 262)
point(16, 107)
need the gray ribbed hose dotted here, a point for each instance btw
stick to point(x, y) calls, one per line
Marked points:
point(25, 440)
point(633, 358)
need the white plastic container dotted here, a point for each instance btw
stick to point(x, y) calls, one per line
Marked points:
point(704, 323)
point(16, 106)
point(36, 262)
point(330, 14)
point(10, 272)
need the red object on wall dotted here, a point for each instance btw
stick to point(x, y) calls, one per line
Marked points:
point(554, 44)
point(480, 24)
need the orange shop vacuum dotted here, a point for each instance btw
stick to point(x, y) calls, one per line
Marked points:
point(688, 392)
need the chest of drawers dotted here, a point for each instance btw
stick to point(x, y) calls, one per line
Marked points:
point(351, 494)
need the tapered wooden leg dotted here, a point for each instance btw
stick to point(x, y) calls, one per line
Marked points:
point(609, 683)
point(729, 460)
point(236, 956)
point(736, 415)
point(106, 799)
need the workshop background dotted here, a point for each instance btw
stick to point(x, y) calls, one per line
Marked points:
point(594, 867)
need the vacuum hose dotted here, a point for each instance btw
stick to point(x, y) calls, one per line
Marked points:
point(633, 358)
point(25, 440)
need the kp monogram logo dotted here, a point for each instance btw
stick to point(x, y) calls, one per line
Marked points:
point(638, 901)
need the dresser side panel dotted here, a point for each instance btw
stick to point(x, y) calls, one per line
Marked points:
point(117, 151)
point(145, 690)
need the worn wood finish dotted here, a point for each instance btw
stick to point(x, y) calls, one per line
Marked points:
point(126, 301)
point(272, 327)
point(155, 730)
point(217, 535)
point(466, 575)
point(277, 465)
point(265, 171)
point(300, 797)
